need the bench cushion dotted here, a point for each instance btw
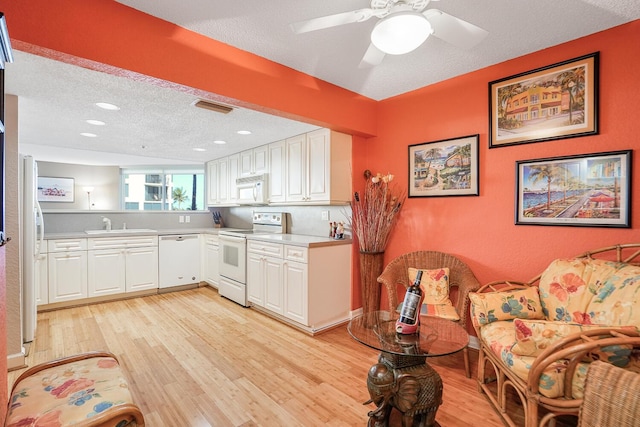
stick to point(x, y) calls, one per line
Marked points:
point(591, 292)
point(501, 337)
point(68, 394)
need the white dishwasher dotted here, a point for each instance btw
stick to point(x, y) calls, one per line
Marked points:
point(179, 260)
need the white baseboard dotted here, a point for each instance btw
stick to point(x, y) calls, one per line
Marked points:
point(16, 360)
point(473, 342)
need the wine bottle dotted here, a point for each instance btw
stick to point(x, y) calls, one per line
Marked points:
point(410, 312)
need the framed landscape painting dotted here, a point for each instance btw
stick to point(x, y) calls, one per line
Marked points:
point(444, 168)
point(55, 189)
point(585, 190)
point(554, 102)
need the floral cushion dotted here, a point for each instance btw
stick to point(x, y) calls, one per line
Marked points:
point(488, 307)
point(501, 335)
point(591, 291)
point(68, 394)
point(434, 284)
point(534, 336)
point(444, 311)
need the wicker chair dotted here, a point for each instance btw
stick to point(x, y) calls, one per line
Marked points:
point(461, 282)
point(611, 397)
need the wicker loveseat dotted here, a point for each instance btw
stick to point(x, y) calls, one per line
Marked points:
point(539, 337)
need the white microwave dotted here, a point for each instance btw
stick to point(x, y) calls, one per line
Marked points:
point(252, 190)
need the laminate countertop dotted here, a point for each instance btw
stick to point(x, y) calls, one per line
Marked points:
point(299, 240)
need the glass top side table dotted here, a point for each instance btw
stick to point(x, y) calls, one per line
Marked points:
point(402, 379)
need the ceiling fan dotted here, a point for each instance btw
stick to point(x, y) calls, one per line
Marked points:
point(403, 26)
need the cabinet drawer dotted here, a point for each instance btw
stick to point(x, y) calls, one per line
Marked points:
point(64, 245)
point(122, 242)
point(271, 249)
point(296, 253)
point(210, 240)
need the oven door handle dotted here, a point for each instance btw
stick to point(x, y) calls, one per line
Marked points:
point(231, 239)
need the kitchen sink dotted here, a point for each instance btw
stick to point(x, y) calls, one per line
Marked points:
point(125, 231)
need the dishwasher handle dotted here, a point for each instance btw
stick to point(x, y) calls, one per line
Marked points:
point(179, 238)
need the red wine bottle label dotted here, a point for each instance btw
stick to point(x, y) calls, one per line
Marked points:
point(409, 312)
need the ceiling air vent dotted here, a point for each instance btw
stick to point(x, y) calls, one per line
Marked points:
point(208, 105)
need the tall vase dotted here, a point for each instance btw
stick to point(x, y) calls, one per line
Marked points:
point(371, 265)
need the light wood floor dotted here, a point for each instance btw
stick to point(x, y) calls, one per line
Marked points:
point(194, 358)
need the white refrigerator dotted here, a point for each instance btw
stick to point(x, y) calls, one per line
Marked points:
point(31, 244)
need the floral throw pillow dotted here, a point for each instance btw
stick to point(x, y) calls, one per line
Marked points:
point(535, 336)
point(434, 284)
point(487, 307)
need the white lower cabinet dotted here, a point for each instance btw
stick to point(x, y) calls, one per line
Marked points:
point(264, 276)
point(210, 270)
point(67, 269)
point(309, 287)
point(117, 265)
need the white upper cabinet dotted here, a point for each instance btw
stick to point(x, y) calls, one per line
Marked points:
point(318, 168)
point(254, 162)
point(277, 172)
point(312, 168)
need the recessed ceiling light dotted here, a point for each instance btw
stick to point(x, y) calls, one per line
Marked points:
point(219, 142)
point(107, 106)
point(88, 135)
point(244, 132)
point(199, 149)
point(96, 122)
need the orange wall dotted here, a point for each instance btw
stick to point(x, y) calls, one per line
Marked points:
point(478, 229)
point(3, 339)
point(481, 230)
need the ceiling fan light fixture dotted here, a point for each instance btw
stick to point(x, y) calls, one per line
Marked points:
point(401, 32)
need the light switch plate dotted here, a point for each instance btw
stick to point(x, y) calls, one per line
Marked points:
point(325, 215)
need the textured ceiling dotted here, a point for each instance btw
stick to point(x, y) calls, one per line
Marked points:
point(52, 112)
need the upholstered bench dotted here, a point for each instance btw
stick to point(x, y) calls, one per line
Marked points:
point(85, 390)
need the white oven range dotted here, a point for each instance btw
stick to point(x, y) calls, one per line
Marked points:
point(233, 253)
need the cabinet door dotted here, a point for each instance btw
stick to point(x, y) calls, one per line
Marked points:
point(106, 272)
point(296, 291)
point(277, 172)
point(261, 159)
point(255, 283)
point(318, 158)
point(141, 269)
point(41, 279)
point(212, 182)
point(296, 169)
point(67, 276)
point(246, 163)
point(223, 180)
point(210, 262)
point(274, 295)
point(234, 173)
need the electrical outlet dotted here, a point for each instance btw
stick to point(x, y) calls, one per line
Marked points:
point(181, 218)
point(325, 215)
point(187, 218)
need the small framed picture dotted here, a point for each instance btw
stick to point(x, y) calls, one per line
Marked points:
point(590, 190)
point(554, 102)
point(52, 189)
point(444, 168)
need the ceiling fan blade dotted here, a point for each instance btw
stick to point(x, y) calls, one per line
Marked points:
point(454, 30)
point(372, 57)
point(332, 20)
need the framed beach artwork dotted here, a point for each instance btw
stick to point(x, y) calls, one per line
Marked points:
point(51, 189)
point(444, 168)
point(590, 190)
point(554, 102)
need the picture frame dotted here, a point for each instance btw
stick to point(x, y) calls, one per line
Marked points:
point(55, 189)
point(553, 102)
point(592, 190)
point(447, 167)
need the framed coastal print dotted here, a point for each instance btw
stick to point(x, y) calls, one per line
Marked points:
point(444, 168)
point(591, 190)
point(52, 189)
point(554, 102)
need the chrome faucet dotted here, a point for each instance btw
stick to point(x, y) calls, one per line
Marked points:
point(107, 222)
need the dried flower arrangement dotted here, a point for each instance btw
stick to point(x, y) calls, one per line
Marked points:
point(375, 212)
